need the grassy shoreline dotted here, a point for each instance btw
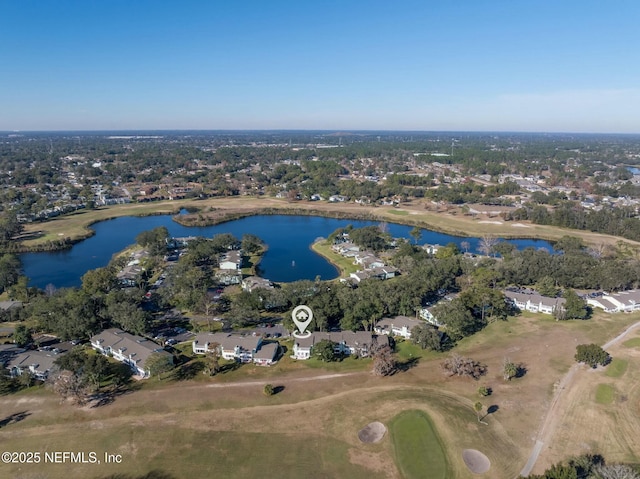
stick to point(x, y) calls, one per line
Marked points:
point(62, 232)
point(345, 265)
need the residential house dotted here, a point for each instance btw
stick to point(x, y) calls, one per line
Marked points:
point(427, 315)
point(229, 276)
point(384, 272)
point(231, 260)
point(534, 302)
point(346, 249)
point(623, 301)
point(397, 326)
point(238, 347)
point(345, 342)
point(130, 275)
point(36, 363)
point(267, 354)
point(302, 347)
point(128, 348)
point(10, 305)
point(372, 262)
point(255, 282)
point(360, 275)
point(431, 248)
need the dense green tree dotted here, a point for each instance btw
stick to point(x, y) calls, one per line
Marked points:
point(546, 286)
point(22, 335)
point(9, 227)
point(251, 244)
point(324, 350)
point(99, 280)
point(10, 270)
point(157, 364)
point(71, 314)
point(74, 361)
point(123, 312)
point(96, 367)
point(370, 237)
point(457, 319)
point(154, 240)
point(427, 337)
point(574, 307)
point(592, 354)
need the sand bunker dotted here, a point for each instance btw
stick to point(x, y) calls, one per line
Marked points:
point(372, 432)
point(477, 462)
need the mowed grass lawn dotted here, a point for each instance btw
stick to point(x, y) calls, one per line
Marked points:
point(180, 452)
point(417, 447)
point(632, 343)
point(605, 394)
point(616, 368)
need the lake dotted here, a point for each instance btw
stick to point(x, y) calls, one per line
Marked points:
point(289, 257)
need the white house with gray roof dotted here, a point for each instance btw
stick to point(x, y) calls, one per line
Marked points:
point(398, 326)
point(231, 260)
point(623, 301)
point(535, 303)
point(345, 342)
point(38, 364)
point(238, 347)
point(128, 348)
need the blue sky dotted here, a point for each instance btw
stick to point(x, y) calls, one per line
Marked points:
point(512, 65)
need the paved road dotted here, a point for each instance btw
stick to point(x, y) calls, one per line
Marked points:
point(548, 425)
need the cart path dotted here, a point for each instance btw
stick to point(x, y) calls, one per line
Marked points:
point(554, 412)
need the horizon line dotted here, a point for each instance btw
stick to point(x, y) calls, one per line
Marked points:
point(309, 130)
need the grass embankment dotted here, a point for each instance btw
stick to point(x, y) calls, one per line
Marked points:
point(345, 265)
point(417, 447)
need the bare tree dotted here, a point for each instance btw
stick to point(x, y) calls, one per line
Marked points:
point(212, 360)
point(487, 243)
point(384, 364)
point(615, 471)
point(70, 386)
point(456, 365)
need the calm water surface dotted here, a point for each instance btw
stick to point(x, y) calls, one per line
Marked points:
point(289, 238)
